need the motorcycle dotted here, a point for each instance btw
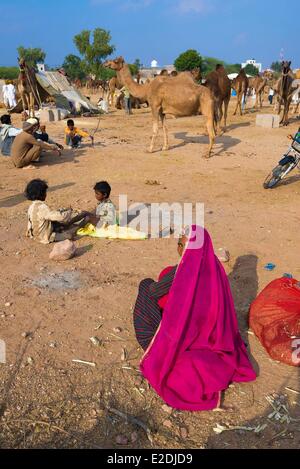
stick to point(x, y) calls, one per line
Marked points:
point(290, 161)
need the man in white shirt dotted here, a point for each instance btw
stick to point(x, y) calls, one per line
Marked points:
point(9, 95)
point(271, 96)
point(7, 134)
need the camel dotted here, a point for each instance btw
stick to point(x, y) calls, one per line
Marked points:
point(27, 87)
point(177, 96)
point(240, 84)
point(113, 85)
point(220, 86)
point(259, 85)
point(284, 90)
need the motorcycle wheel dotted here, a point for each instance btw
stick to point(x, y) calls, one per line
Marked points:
point(275, 176)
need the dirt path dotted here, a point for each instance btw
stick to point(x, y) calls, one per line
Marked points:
point(49, 401)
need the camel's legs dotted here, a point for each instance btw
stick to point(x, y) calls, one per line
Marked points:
point(212, 135)
point(226, 104)
point(31, 105)
point(24, 104)
point(155, 132)
point(240, 104)
point(237, 104)
point(165, 131)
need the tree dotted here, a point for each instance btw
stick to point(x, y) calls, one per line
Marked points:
point(188, 60)
point(74, 67)
point(9, 73)
point(276, 67)
point(133, 69)
point(138, 64)
point(94, 52)
point(32, 56)
point(209, 64)
point(251, 70)
point(233, 68)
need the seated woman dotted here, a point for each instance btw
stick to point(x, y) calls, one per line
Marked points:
point(187, 325)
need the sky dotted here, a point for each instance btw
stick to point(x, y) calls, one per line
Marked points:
point(231, 30)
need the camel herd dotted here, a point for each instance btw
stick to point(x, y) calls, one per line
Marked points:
point(178, 94)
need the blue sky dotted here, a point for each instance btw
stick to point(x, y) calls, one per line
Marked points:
point(232, 30)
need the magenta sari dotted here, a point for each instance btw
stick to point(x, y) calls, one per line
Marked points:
point(197, 351)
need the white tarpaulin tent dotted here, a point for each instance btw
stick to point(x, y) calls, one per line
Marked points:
point(57, 85)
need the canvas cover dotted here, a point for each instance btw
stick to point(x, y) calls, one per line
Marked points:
point(57, 86)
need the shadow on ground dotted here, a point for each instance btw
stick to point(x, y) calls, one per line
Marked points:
point(13, 200)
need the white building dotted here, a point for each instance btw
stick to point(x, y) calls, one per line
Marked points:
point(41, 67)
point(254, 63)
point(154, 64)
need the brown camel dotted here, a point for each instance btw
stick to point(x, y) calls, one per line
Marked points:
point(240, 84)
point(220, 86)
point(113, 85)
point(259, 85)
point(177, 96)
point(27, 87)
point(284, 90)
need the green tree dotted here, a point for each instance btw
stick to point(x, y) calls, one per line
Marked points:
point(209, 64)
point(276, 66)
point(133, 69)
point(31, 55)
point(96, 50)
point(74, 67)
point(188, 60)
point(233, 68)
point(251, 70)
point(9, 73)
point(138, 64)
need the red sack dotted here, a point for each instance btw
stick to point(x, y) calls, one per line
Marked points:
point(275, 320)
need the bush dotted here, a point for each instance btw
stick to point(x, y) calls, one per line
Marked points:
point(188, 60)
point(9, 73)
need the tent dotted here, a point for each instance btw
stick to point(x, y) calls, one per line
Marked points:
point(65, 95)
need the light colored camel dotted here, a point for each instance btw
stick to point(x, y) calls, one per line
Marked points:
point(284, 91)
point(258, 84)
point(27, 87)
point(240, 84)
point(113, 85)
point(177, 96)
point(220, 86)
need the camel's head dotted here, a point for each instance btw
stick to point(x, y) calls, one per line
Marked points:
point(196, 73)
point(164, 73)
point(116, 64)
point(22, 63)
point(286, 66)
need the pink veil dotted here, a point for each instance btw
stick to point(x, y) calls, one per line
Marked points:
point(197, 351)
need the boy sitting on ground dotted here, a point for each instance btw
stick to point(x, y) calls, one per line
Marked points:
point(46, 225)
point(105, 213)
point(74, 135)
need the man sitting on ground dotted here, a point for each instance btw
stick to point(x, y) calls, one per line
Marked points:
point(26, 149)
point(7, 134)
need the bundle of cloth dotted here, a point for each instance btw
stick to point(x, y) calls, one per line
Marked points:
point(275, 320)
point(112, 232)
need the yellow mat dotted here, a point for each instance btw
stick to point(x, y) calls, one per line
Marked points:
point(112, 232)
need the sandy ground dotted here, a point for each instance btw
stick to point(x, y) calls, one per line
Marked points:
point(49, 401)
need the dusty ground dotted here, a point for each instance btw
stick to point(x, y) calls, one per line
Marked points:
point(49, 401)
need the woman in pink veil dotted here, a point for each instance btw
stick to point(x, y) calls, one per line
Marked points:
point(187, 325)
